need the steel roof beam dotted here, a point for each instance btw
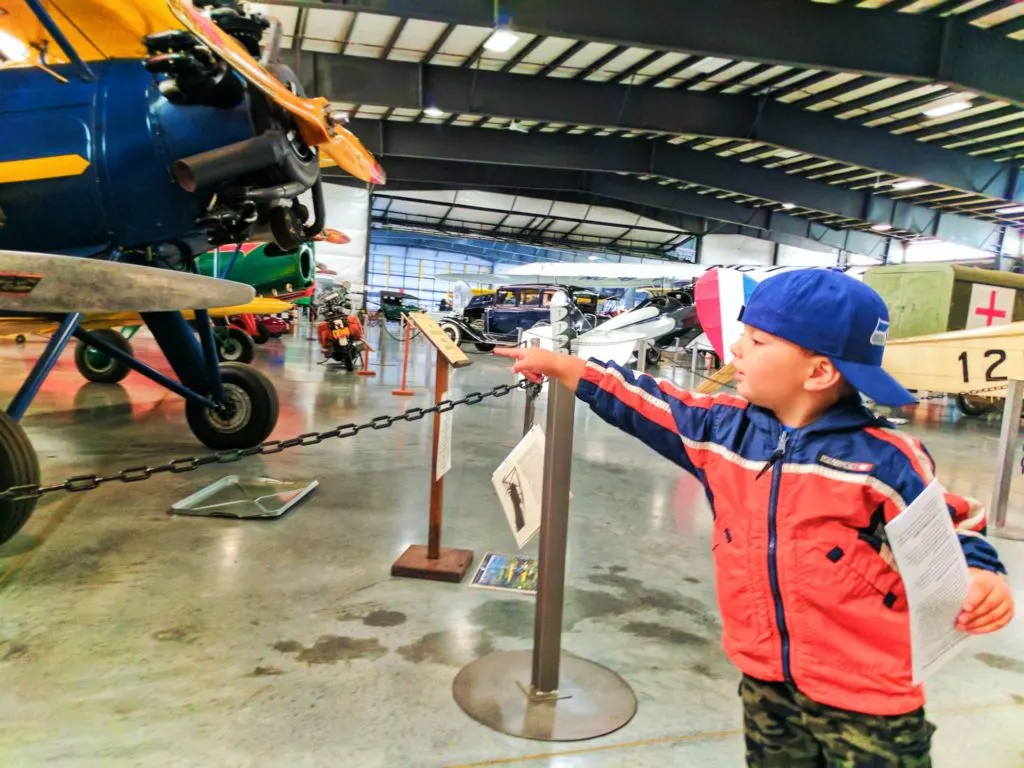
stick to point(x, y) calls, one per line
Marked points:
point(505, 153)
point(575, 102)
point(924, 47)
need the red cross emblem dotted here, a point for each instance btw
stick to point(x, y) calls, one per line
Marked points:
point(990, 312)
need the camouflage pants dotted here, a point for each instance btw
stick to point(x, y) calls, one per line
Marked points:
point(785, 729)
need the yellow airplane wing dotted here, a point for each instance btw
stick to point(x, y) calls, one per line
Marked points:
point(31, 326)
point(97, 29)
point(959, 361)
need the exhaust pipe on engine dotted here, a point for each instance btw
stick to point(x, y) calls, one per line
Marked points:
point(209, 168)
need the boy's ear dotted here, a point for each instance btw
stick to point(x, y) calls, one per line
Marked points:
point(823, 375)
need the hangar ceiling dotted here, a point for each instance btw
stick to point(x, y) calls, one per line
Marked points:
point(839, 122)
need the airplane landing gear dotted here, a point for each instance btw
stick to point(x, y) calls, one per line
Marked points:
point(249, 415)
point(235, 345)
point(96, 365)
point(18, 466)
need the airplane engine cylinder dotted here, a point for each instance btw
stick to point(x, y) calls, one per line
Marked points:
point(217, 165)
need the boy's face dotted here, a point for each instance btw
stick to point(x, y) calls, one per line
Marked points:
point(771, 371)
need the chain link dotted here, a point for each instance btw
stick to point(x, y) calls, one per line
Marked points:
point(80, 483)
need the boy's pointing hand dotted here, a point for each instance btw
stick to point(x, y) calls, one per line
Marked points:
point(536, 364)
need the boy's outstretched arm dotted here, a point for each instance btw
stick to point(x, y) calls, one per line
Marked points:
point(675, 423)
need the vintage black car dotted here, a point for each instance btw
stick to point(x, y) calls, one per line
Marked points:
point(496, 318)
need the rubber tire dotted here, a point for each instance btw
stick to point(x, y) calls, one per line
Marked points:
point(262, 334)
point(115, 371)
point(453, 332)
point(243, 349)
point(244, 381)
point(653, 355)
point(484, 347)
point(18, 466)
point(967, 409)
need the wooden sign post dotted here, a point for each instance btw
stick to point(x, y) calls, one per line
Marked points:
point(434, 561)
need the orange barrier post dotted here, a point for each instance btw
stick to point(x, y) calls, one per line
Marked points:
point(404, 391)
point(366, 361)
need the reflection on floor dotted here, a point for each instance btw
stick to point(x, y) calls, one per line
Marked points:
point(131, 637)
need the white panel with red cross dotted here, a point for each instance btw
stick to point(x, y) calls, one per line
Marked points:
point(990, 306)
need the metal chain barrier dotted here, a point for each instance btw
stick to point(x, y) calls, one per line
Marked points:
point(80, 483)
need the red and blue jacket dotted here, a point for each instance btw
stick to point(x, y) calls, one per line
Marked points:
point(807, 585)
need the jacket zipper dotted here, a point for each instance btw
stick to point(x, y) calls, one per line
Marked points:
point(775, 460)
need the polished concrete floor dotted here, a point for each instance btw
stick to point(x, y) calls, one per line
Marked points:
point(131, 637)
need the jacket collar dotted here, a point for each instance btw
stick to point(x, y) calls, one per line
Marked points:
point(850, 413)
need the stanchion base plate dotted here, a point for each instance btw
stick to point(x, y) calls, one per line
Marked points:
point(450, 565)
point(591, 701)
point(366, 373)
point(1011, 532)
point(403, 392)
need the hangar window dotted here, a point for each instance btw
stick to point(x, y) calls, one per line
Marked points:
point(506, 299)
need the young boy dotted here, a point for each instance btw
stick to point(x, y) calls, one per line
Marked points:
point(802, 478)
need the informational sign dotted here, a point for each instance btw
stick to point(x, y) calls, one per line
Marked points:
point(990, 305)
point(518, 481)
point(959, 361)
point(435, 335)
point(508, 573)
point(444, 442)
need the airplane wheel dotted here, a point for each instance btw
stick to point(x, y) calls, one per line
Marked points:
point(653, 355)
point(236, 346)
point(262, 334)
point(98, 366)
point(18, 466)
point(972, 406)
point(484, 347)
point(254, 411)
point(453, 332)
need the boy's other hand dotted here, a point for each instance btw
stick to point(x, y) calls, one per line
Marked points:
point(989, 604)
point(536, 364)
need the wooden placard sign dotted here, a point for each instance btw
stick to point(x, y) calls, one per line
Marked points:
point(959, 361)
point(435, 335)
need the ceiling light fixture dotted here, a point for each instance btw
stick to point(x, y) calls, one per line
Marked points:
point(433, 112)
point(908, 184)
point(501, 41)
point(881, 227)
point(789, 206)
point(1010, 210)
point(948, 108)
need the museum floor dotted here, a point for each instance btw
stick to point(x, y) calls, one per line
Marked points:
point(130, 637)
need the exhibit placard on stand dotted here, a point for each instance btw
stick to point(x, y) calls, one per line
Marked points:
point(434, 561)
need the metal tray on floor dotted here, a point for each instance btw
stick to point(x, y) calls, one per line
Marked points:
point(244, 498)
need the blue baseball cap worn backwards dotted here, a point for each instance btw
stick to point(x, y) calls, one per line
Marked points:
point(831, 314)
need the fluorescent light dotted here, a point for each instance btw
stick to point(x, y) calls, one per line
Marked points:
point(592, 258)
point(11, 48)
point(908, 184)
point(1011, 209)
point(948, 108)
point(788, 206)
point(881, 227)
point(434, 112)
point(501, 41)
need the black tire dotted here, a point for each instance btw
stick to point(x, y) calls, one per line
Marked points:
point(20, 339)
point(97, 366)
point(484, 347)
point(967, 408)
point(235, 346)
point(453, 332)
point(262, 334)
point(18, 466)
point(255, 416)
point(653, 355)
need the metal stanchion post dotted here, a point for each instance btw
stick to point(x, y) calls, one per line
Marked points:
point(641, 356)
point(530, 412)
point(548, 694)
point(1008, 434)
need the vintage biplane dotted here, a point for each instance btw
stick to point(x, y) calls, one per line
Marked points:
point(134, 136)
